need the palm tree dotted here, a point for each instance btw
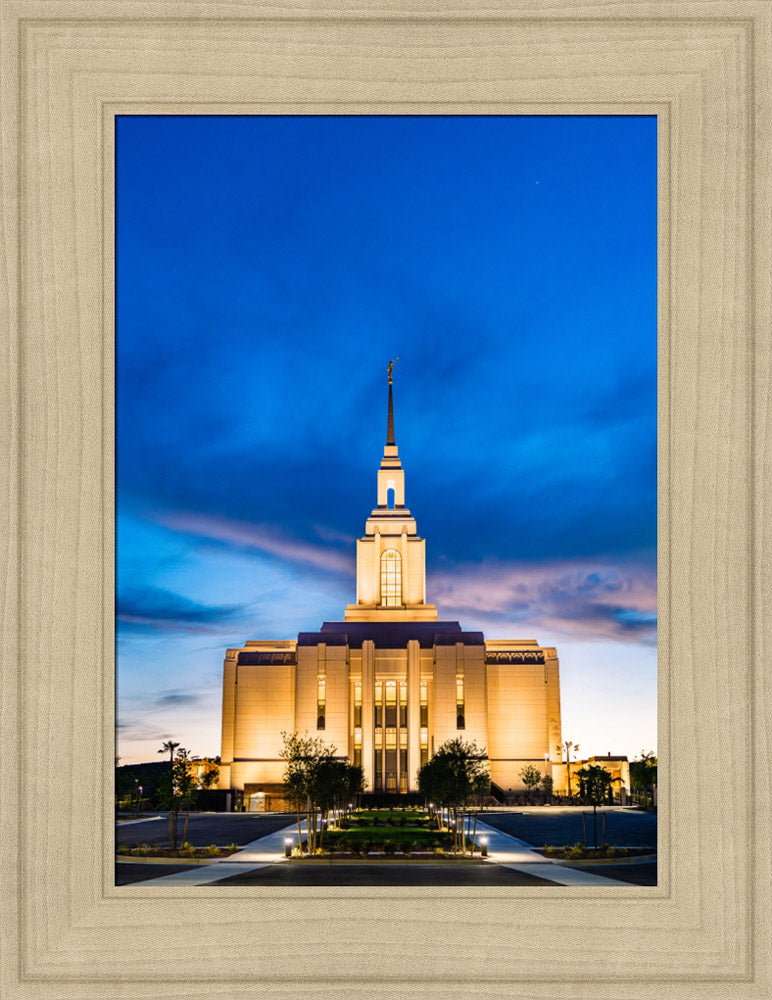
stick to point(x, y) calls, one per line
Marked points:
point(569, 746)
point(170, 746)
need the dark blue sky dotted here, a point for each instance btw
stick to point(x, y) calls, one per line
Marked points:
point(268, 268)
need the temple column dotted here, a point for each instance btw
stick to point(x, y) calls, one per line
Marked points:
point(413, 713)
point(368, 715)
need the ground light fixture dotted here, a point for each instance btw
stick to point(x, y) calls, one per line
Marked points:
point(287, 847)
point(483, 847)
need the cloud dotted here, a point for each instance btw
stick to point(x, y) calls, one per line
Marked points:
point(582, 599)
point(263, 537)
point(156, 608)
point(174, 698)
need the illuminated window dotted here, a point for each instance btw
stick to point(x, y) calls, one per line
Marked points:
point(391, 579)
point(391, 703)
point(403, 703)
point(357, 703)
point(403, 737)
point(378, 739)
point(357, 747)
point(424, 702)
point(391, 739)
point(460, 713)
point(321, 702)
point(378, 699)
point(424, 745)
point(391, 781)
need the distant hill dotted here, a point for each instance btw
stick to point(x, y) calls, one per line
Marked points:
point(147, 775)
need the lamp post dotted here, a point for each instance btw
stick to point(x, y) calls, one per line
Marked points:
point(139, 797)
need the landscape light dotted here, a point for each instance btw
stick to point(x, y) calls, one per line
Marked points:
point(287, 847)
point(484, 847)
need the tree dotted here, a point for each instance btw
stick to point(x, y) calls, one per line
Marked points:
point(569, 746)
point(170, 746)
point(531, 777)
point(209, 778)
point(454, 776)
point(355, 782)
point(315, 781)
point(643, 772)
point(546, 783)
point(594, 785)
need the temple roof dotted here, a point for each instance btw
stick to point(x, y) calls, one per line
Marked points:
point(391, 635)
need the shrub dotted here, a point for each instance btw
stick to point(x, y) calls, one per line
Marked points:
point(576, 851)
point(550, 849)
point(213, 851)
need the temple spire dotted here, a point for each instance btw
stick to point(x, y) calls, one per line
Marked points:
point(390, 425)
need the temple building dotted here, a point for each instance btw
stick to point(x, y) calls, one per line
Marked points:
point(391, 682)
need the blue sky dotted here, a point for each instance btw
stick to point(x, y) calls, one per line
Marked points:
point(267, 270)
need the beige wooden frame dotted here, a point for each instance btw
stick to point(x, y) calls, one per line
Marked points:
point(68, 66)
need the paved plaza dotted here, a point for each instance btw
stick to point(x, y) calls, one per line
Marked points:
point(561, 825)
point(511, 860)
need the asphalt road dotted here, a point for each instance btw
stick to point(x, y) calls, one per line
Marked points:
point(129, 873)
point(394, 875)
point(561, 825)
point(640, 873)
point(204, 829)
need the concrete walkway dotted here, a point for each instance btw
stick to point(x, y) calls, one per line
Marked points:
point(258, 854)
point(503, 849)
point(512, 853)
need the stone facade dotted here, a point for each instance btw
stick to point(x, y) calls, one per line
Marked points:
point(390, 683)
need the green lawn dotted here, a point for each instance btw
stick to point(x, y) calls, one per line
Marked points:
point(391, 817)
point(379, 838)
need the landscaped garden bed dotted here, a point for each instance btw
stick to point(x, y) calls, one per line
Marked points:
point(385, 833)
point(186, 852)
point(581, 852)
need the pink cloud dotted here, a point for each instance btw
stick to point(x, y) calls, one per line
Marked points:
point(264, 537)
point(594, 600)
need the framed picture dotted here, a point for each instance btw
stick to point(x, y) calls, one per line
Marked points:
point(701, 930)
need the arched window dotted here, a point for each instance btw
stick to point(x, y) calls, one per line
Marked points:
point(390, 498)
point(391, 579)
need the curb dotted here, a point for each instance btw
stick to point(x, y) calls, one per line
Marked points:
point(132, 859)
point(574, 862)
point(326, 862)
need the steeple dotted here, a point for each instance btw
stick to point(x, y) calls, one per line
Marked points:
point(391, 574)
point(390, 422)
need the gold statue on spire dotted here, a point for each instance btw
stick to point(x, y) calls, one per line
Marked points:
point(391, 365)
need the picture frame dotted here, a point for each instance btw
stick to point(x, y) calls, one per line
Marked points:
point(68, 69)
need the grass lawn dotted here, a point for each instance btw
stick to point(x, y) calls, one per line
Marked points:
point(385, 838)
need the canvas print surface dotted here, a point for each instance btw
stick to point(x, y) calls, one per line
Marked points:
point(386, 500)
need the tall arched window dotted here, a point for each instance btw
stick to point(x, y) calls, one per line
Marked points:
point(391, 579)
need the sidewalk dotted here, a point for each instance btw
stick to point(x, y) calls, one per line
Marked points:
point(510, 852)
point(258, 854)
point(503, 849)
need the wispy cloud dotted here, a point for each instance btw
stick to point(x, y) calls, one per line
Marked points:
point(155, 608)
point(175, 698)
point(582, 599)
point(263, 537)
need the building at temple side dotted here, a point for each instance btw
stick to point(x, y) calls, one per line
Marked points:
point(391, 682)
